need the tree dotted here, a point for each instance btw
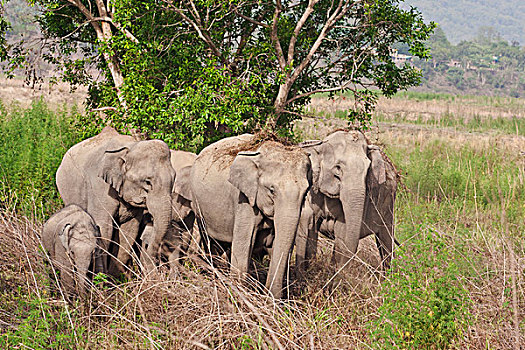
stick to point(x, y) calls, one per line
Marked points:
point(193, 71)
point(4, 26)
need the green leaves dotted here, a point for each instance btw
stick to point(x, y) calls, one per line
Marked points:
point(424, 305)
point(192, 72)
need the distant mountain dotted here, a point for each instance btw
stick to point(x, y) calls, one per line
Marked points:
point(462, 19)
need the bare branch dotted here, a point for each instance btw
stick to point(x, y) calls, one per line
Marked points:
point(298, 27)
point(249, 19)
point(126, 32)
point(197, 25)
point(339, 12)
point(275, 37)
point(87, 13)
point(309, 93)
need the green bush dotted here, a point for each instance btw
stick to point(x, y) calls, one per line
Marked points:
point(424, 305)
point(43, 326)
point(32, 144)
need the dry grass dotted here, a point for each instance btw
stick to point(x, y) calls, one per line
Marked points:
point(413, 109)
point(199, 307)
point(56, 95)
point(202, 308)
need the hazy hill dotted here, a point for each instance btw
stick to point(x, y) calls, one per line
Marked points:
point(461, 19)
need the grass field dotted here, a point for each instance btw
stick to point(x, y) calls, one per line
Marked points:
point(457, 281)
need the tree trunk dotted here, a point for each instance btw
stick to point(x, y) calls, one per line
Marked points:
point(104, 33)
point(279, 104)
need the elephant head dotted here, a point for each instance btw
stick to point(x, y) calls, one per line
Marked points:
point(274, 181)
point(80, 237)
point(142, 176)
point(341, 163)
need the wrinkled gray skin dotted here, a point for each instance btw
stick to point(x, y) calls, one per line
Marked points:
point(378, 217)
point(235, 194)
point(73, 241)
point(179, 234)
point(115, 179)
point(343, 166)
point(172, 247)
point(182, 213)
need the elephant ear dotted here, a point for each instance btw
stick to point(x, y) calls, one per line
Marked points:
point(244, 174)
point(181, 186)
point(378, 163)
point(113, 167)
point(313, 148)
point(65, 235)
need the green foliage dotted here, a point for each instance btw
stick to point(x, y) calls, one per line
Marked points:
point(43, 325)
point(485, 62)
point(464, 180)
point(32, 143)
point(192, 75)
point(424, 305)
point(247, 343)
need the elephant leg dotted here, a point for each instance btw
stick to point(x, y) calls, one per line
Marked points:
point(305, 243)
point(385, 243)
point(187, 234)
point(105, 223)
point(194, 238)
point(128, 233)
point(343, 251)
point(244, 231)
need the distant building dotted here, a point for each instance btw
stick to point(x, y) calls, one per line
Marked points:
point(454, 63)
point(400, 59)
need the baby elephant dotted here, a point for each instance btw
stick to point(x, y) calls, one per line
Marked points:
point(73, 241)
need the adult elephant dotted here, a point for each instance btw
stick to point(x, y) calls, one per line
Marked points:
point(236, 192)
point(339, 205)
point(179, 234)
point(115, 179)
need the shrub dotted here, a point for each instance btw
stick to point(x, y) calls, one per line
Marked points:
point(424, 305)
point(32, 143)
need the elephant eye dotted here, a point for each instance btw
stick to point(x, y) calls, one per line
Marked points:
point(337, 171)
point(148, 184)
point(271, 189)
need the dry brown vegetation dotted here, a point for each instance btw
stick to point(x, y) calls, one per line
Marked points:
point(55, 95)
point(460, 219)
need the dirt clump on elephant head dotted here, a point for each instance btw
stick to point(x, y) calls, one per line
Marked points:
point(254, 143)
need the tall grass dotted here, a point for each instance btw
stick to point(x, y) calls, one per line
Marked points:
point(512, 126)
point(456, 281)
point(495, 101)
point(32, 143)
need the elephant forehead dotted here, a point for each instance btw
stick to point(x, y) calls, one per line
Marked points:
point(275, 151)
point(151, 149)
point(285, 168)
point(347, 138)
point(83, 237)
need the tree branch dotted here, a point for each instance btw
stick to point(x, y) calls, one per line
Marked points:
point(298, 27)
point(275, 37)
point(197, 25)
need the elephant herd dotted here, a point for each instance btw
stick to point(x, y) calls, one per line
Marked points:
point(247, 197)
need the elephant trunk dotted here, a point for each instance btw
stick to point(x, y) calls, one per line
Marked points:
point(98, 257)
point(347, 239)
point(286, 220)
point(160, 209)
point(82, 269)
